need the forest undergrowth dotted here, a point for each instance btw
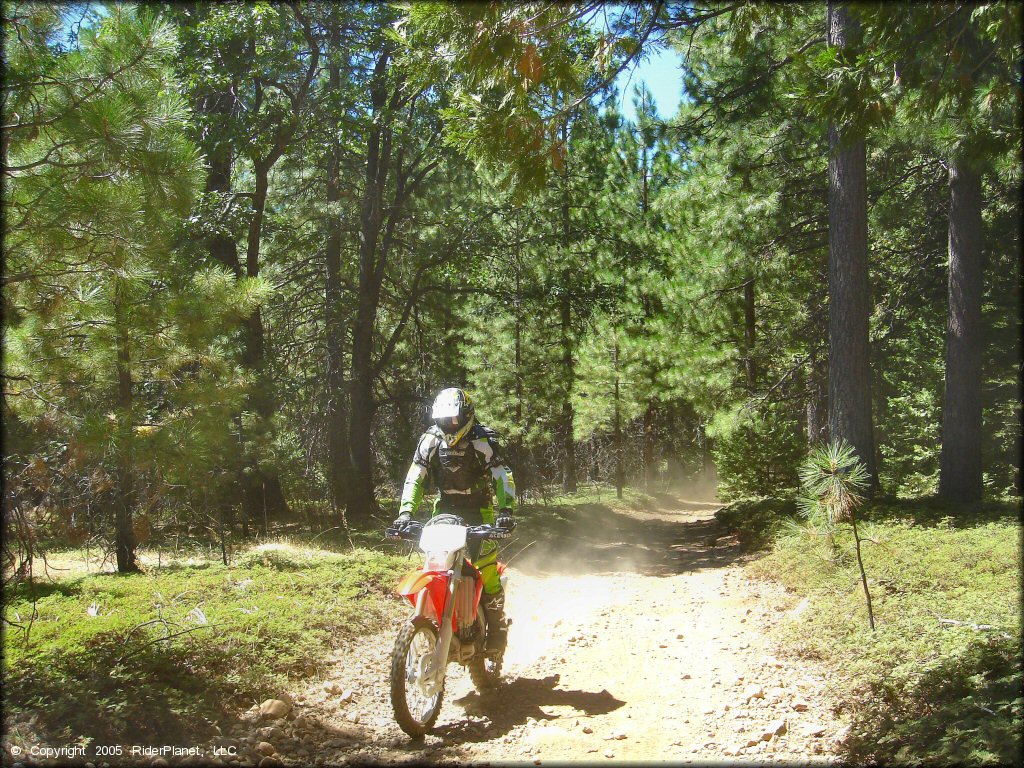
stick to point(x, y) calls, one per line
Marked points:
point(940, 680)
point(165, 655)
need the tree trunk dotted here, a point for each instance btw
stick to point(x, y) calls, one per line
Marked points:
point(568, 415)
point(260, 488)
point(619, 475)
point(649, 443)
point(266, 492)
point(362, 500)
point(568, 372)
point(124, 534)
point(849, 371)
point(519, 466)
point(222, 247)
point(650, 421)
point(338, 459)
point(749, 334)
point(960, 471)
point(817, 423)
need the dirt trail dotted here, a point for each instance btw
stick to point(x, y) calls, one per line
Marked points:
point(623, 647)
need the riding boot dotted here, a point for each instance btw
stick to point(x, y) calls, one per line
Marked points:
point(493, 605)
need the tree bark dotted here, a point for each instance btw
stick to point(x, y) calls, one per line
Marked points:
point(749, 334)
point(266, 493)
point(523, 478)
point(338, 458)
point(565, 310)
point(260, 489)
point(568, 372)
point(650, 440)
point(222, 247)
point(619, 475)
point(960, 468)
point(849, 375)
point(124, 533)
point(362, 500)
point(817, 407)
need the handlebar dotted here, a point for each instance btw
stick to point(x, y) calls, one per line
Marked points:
point(412, 530)
point(488, 532)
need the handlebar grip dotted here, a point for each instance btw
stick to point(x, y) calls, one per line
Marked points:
point(488, 532)
point(409, 533)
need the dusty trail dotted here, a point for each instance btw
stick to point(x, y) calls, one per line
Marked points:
point(623, 647)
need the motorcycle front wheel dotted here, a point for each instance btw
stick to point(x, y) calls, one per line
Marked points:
point(415, 711)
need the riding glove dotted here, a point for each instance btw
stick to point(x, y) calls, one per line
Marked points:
point(505, 519)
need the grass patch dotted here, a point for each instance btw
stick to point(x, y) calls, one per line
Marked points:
point(95, 662)
point(940, 680)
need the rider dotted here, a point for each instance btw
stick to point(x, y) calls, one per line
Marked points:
point(462, 459)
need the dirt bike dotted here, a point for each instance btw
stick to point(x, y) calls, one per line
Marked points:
point(446, 624)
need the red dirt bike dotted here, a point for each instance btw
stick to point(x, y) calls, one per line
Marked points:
point(446, 624)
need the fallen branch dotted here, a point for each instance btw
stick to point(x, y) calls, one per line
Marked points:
point(335, 528)
point(141, 648)
point(972, 625)
point(955, 623)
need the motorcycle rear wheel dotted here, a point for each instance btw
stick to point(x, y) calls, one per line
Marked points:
point(415, 712)
point(485, 672)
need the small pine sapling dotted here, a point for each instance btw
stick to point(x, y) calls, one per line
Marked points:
point(833, 481)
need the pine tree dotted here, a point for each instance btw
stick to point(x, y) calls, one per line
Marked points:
point(113, 343)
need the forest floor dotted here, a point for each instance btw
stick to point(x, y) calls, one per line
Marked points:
point(635, 637)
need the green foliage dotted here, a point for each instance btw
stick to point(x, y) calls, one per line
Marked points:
point(660, 238)
point(832, 482)
point(940, 679)
point(756, 455)
point(518, 72)
point(757, 522)
point(94, 660)
point(116, 354)
point(174, 339)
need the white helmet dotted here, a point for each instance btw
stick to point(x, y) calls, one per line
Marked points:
point(453, 414)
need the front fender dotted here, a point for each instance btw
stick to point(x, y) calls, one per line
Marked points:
point(435, 583)
point(414, 581)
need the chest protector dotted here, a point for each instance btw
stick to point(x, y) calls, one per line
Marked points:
point(460, 472)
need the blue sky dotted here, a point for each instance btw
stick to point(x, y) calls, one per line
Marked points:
point(661, 72)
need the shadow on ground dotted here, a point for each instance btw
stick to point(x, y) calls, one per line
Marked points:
point(488, 716)
point(518, 700)
point(124, 690)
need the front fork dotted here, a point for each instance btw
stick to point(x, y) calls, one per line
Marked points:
point(434, 673)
